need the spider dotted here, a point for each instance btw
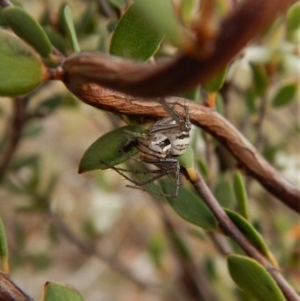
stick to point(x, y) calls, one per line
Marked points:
point(163, 142)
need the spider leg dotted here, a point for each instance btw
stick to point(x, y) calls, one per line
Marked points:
point(183, 123)
point(151, 192)
point(158, 174)
point(170, 110)
point(165, 167)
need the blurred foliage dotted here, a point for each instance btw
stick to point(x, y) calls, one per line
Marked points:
point(258, 93)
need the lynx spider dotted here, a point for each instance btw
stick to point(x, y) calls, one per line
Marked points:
point(163, 142)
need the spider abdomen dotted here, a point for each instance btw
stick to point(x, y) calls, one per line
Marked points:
point(153, 147)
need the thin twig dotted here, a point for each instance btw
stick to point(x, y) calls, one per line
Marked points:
point(259, 126)
point(232, 231)
point(222, 246)
point(107, 10)
point(5, 3)
point(9, 291)
point(15, 136)
point(112, 262)
point(196, 284)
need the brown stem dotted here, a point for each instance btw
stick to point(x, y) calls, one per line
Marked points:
point(259, 127)
point(4, 3)
point(168, 77)
point(11, 292)
point(195, 283)
point(112, 262)
point(15, 134)
point(232, 231)
point(209, 120)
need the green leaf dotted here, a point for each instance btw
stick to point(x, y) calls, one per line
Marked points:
point(50, 104)
point(192, 94)
point(260, 79)
point(250, 99)
point(253, 278)
point(21, 69)
point(224, 193)
point(160, 13)
point(216, 83)
point(186, 160)
point(190, 207)
point(284, 95)
point(181, 246)
point(32, 130)
point(203, 168)
point(157, 247)
point(219, 104)
point(293, 19)
point(187, 8)
point(111, 149)
point(28, 29)
point(3, 248)
point(55, 291)
point(57, 40)
point(70, 29)
point(270, 152)
point(50, 186)
point(86, 24)
point(241, 194)
point(135, 38)
point(251, 234)
point(20, 162)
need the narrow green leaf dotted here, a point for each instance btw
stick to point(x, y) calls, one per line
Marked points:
point(21, 69)
point(50, 104)
point(193, 94)
point(293, 19)
point(270, 152)
point(86, 24)
point(2, 20)
point(284, 95)
point(260, 79)
point(180, 245)
point(160, 13)
point(50, 186)
point(216, 83)
point(157, 247)
point(55, 291)
point(190, 207)
point(253, 278)
point(57, 40)
point(251, 234)
point(224, 192)
point(70, 29)
point(32, 130)
point(241, 194)
point(187, 158)
point(203, 168)
point(3, 248)
point(20, 162)
point(210, 268)
point(250, 99)
point(219, 104)
point(135, 38)
point(28, 29)
point(111, 149)
point(187, 8)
